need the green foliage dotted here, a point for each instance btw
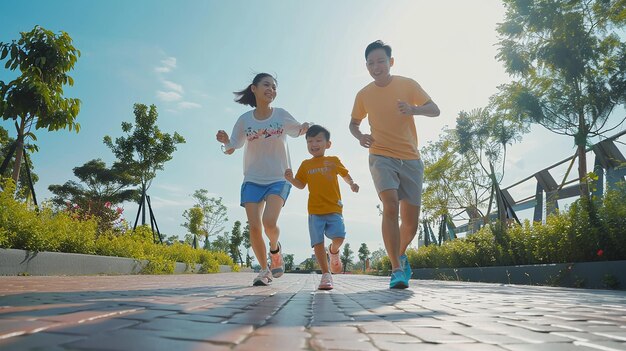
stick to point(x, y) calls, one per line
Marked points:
point(585, 232)
point(26, 229)
point(346, 256)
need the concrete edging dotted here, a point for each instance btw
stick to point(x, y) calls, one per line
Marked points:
point(597, 275)
point(21, 262)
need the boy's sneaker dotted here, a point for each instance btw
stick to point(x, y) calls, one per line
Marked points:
point(264, 278)
point(277, 264)
point(327, 282)
point(398, 280)
point(406, 267)
point(335, 262)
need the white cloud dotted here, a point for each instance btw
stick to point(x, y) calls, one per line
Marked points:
point(188, 105)
point(168, 96)
point(166, 65)
point(173, 86)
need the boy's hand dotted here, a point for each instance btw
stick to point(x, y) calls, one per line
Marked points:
point(405, 109)
point(289, 174)
point(222, 137)
point(366, 140)
point(354, 187)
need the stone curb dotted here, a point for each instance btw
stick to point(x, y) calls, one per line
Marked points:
point(595, 275)
point(21, 262)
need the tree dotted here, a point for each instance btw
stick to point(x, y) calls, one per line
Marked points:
point(23, 188)
point(364, 254)
point(194, 217)
point(346, 256)
point(35, 97)
point(377, 257)
point(104, 189)
point(288, 262)
point(144, 150)
point(236, 238)
point(247, 244)
point(570, 61)
point(214, 212)
point(221, 243)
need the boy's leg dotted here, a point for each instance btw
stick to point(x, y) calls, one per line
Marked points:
point(320, 255)
point(253, 212)
point(333, 251)
point(390, 226)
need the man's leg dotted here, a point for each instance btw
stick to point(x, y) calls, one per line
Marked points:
point(390, 226)
point(409, 215)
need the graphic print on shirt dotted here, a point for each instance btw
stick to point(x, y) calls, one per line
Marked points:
point(325, 171)
point(274, 129)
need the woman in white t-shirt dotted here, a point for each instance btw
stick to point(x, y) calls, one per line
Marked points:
point(263, 132)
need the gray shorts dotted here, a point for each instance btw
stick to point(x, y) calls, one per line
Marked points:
point(405, 176)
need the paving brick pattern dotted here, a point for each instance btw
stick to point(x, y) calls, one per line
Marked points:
point(223, 312)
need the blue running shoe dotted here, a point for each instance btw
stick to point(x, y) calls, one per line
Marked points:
point(406, 267)
point(398, 281)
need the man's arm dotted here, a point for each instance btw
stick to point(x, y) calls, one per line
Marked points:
point(365, 140)
point(429, 109)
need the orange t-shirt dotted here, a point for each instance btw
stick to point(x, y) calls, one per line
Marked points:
point(394, 133)
point(320, 174)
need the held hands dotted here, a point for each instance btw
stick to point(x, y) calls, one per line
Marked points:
point(289, 174)
point(304, 127)
point(405, 108)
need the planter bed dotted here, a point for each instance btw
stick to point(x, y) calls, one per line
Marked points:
point(20, 262)
point(597, 275)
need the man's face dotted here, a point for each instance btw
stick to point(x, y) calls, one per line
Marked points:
point(378, 64)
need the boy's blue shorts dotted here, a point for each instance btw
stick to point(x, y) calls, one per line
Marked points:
point(330, 225)
point(253, 192)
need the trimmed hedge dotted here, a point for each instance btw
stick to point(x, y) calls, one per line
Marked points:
point(586, 231)
point(23, 228)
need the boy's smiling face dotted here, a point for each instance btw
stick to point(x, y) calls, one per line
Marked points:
point(317, 144)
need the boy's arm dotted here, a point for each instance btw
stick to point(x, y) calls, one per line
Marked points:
point(289, 176)
point(365, 140)
point(353, 186)
point(429, 109)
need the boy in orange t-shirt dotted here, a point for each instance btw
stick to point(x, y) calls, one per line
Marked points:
point(320, 174)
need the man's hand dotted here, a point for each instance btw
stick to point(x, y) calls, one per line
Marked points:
point(366, 140)
point(405, 108)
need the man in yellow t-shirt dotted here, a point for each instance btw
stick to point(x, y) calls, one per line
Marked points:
point(320, 174)
point(389, 103)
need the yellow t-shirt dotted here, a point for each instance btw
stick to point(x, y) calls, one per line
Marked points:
point(394, 133)
point(320, 174)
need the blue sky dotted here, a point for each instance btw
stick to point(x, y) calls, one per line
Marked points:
point(187, 57)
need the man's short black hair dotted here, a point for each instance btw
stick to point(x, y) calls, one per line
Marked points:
point(315, 129)
point(378, 44)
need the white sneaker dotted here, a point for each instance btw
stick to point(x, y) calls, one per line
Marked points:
point(327, 282)
point(264, 278)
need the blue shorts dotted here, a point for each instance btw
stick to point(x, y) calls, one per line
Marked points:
point(253, 192)
point(330, 225)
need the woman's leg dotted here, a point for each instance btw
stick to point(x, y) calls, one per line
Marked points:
point(253, 211)
point(270, 219)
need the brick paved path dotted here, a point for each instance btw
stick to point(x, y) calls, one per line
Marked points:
point(222, 312)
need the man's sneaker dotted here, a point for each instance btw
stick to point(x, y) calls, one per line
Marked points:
point(327, 282)
point(335, 262)
point(277, 264)
point(398, 281)
point(406, 267)
point(264, 278)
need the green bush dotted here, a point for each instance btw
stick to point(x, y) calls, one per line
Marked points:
point(24, 228)
point(587, 231)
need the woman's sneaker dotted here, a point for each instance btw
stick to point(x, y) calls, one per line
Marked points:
point(277, 264)
point(264, 278)
point(398, 281)
point(327, 282)
point(335, 262)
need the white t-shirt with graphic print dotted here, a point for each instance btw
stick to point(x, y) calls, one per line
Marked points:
point(265, 153)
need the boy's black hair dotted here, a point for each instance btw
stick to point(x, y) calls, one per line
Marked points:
point(246, 96)
point(315, 129)
point(378, 44)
